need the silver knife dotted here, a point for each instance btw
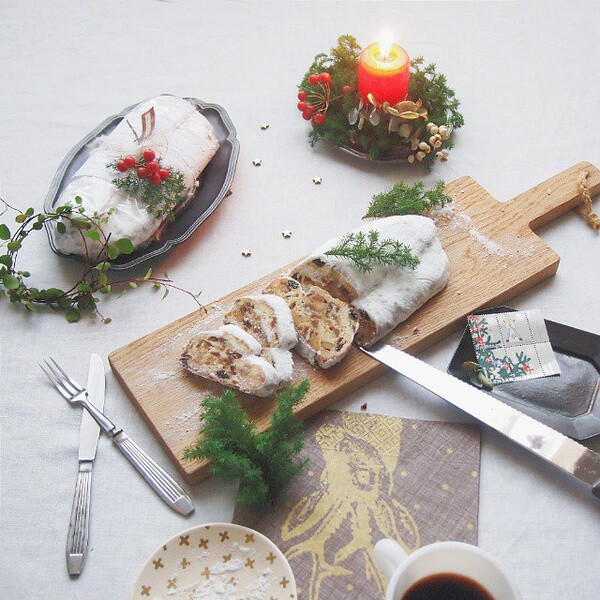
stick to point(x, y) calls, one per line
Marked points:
point(89, 433)
point(563, 452)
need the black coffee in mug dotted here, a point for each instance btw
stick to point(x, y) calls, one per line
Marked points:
point(446, 586)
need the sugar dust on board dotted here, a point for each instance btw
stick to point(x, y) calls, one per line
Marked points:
point(447, 586)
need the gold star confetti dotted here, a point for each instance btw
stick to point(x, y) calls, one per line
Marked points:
point(257, 162)
point(317, 180)
point(474, 474)
point(264, 126)
point(445, 487)
point(246, 252)
point(286, 233)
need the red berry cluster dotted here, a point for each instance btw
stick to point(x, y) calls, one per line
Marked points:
point(146, 168)
point(319, 101)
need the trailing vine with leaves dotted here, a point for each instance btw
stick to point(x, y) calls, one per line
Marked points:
point(83, 295)
point(417, 129)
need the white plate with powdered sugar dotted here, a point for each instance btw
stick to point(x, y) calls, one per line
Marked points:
point(218, 561)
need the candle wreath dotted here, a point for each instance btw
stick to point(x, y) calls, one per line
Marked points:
point(379, 103)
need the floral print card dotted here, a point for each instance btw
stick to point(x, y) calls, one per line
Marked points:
point(511, 346)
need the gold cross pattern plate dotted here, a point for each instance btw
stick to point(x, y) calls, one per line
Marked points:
point(217, 560)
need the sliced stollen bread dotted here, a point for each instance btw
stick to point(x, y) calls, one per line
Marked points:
point(235, 359)
point(386, 295)
point(267, 318)
point(287, 288)
point(325, 325)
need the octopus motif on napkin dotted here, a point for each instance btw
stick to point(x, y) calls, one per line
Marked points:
point(370, 477)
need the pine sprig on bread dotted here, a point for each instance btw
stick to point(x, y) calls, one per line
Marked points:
point(366, 250)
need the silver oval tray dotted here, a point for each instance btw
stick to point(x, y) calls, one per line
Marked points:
point(215, 182)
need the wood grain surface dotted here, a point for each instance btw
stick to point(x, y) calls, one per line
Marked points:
point(494, 255)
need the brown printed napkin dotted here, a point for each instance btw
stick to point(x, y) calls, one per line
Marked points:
point(370, 477)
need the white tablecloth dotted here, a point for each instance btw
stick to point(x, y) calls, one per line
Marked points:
point(528, 80)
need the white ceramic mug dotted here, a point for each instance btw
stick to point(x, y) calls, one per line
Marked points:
point(403, 570)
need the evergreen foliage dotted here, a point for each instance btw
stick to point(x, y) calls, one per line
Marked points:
point(264, 463)
point(404, 199)
point(366, 249)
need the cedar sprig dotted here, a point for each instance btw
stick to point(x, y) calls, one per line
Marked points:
point(100, 250)
point(265, 463)
point(404, 199)
point(365, 250)
point(432, 88)
point(161, 200)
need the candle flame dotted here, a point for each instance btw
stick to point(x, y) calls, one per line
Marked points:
point(385, 44)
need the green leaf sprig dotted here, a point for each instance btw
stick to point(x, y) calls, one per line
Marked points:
point(83, 295)
point(365, 250)
point(265, 463)
point(162, 199)
point(404, 199)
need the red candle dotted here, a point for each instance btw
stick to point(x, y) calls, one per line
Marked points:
point(384, 72)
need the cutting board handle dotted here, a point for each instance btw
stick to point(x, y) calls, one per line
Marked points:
point(552, 198)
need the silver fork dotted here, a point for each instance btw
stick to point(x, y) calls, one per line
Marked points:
point(160, 481)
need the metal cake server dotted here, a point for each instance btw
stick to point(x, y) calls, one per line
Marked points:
point(157, 478)
point(77, 538)
point(565, 453)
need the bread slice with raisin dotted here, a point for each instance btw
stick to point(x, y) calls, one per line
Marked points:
point(287, 288)
point(267, 318)
point(325, 325)
point(235, 359)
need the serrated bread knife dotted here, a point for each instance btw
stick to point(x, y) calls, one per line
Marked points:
point(565, 453)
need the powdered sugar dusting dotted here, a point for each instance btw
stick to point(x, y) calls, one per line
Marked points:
point(223, 582)
point(491, 246)
point(450, 218)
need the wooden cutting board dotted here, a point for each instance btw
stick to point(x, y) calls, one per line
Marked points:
point(494, 255)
